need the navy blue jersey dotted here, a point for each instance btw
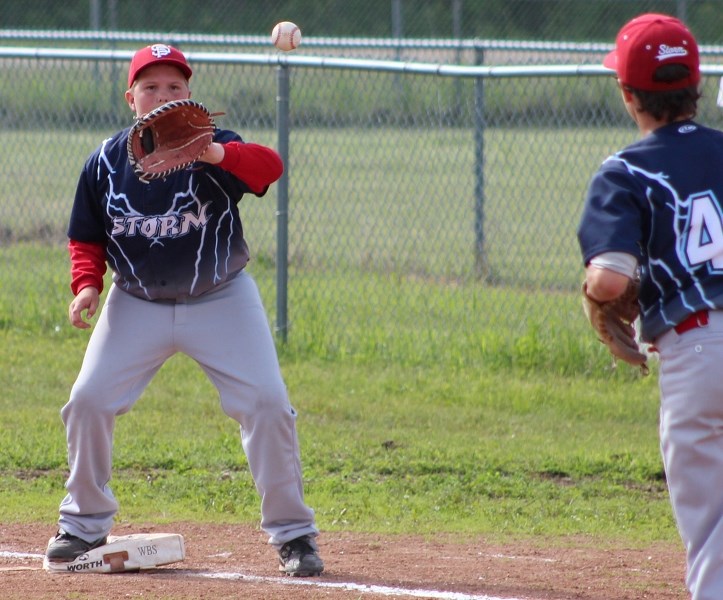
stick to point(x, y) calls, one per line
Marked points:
point(167, 239)
point(659, 199)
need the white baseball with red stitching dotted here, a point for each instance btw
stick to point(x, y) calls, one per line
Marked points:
point(286, 36)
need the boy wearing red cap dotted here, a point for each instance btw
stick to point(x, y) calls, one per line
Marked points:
point(654, 212)
point(177, 251)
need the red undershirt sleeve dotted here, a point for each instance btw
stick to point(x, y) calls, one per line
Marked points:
point(87, 265)
point(257, 166)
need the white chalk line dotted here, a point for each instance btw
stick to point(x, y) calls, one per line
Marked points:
point(290, 581)
point(354, 587)
point(22, 555)
point(512, 557)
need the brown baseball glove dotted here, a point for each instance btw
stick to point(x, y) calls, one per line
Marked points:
point(613, 323)
point(169, 138)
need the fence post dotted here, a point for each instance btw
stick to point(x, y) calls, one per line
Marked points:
point(457, 35)
point(682, 10)
point(282, 203)
point(94, 10)
point(480, 258)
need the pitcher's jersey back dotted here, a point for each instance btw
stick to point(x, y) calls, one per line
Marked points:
point(660, 199)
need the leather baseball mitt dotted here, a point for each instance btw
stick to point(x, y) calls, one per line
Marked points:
point(169, 138)
point(613, 323)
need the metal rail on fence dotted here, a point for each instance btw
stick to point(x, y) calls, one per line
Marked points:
point(189, 39)
point(327, 62)
point(262, 42)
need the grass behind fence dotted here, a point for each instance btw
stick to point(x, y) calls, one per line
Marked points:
point(382, 243)
point(376, 200)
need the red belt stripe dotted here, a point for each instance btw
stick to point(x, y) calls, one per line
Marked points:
point(697, 319)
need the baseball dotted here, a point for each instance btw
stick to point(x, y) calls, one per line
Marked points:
point(286, 36)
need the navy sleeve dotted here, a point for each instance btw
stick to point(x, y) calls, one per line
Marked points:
point(86, 217)
point(612, 216)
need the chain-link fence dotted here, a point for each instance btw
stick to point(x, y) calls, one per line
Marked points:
point(402, 177)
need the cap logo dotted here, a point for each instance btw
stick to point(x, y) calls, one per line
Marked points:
point(666, 52)
point(160, 50)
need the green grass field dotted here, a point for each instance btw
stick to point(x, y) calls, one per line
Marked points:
point(386, 447)
point(487, 432)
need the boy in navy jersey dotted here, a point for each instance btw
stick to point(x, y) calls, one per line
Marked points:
point(654, 210)
point(177, 251)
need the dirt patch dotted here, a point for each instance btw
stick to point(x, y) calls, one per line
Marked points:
point(230, 561)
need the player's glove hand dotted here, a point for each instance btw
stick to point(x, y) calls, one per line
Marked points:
point(169, 138)
point(613, 323)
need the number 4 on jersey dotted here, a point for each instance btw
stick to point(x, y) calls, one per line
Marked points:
point(704, 241)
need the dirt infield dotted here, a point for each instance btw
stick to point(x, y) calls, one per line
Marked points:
point(235, 562)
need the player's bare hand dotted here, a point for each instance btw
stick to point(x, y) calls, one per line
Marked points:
point(86, 300)
point(214, 154)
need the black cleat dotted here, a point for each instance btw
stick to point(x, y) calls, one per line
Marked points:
point(300, 558)
point(66, 548)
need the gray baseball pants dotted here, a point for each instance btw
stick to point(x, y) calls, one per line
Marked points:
point(226, 332)
point(691, 438)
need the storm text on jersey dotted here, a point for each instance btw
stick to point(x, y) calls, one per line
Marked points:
point(160, 226)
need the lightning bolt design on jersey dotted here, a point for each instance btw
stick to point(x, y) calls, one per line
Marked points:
point(167, 239)
point(657, 200)
point(660, 270)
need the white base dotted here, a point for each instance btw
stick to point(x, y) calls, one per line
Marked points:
point(125, 553)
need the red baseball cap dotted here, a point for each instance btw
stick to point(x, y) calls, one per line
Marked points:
point(157, 54)
point(649, 41)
